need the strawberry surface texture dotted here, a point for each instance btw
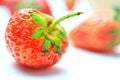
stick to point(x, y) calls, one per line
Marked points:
point(35, 39)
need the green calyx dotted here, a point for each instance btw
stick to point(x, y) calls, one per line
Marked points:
point(116, 40)
point(115, 32)
point(50, 30)
point(117, 13)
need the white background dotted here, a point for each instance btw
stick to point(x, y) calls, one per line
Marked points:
point(76, 64)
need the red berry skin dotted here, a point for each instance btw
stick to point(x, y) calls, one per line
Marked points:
point(25, 49)
point(10, 4)
point(70, 4)
point(93, 34)
point(44, 6)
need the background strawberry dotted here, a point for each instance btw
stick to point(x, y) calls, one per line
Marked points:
point(10, 4)
point(94, 34)
point(14, 5)
point(34, 39)
point(70, 4)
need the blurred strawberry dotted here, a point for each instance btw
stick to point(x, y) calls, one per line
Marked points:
point(1, 2)
point(10, 4)
point(14, 5)
point(70, 4)
point(95, 34)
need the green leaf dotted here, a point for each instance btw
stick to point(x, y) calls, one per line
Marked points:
point(63, 34)
point(38, 19)
point(117, 9)
point(117, 17)
point(46, 45)
point(117, 13)
point(57, 42)
point(57, 50)
point(57, 46)
point(38, 33)
point(116, 31)
point(59, 34)
point(113, 43)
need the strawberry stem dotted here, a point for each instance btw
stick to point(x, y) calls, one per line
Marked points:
point(52, 38)
point(63, 18)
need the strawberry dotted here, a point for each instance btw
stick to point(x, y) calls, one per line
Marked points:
point(35, 39)
point(10, 4)
point(14, 5)
point(70, 4)
point(94, 34)
point(1, 2)
point(44, 7)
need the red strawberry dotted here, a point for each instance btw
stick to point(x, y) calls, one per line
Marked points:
point(35, 39)
point(10, 4)
point(94, 34)
point(43, 6)
point(13, 5)
point(1, 2)
point(70, 4)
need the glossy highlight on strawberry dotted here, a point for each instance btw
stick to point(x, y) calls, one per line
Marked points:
point(35, 39)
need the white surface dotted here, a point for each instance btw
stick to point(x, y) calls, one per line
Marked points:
point(76, 64)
